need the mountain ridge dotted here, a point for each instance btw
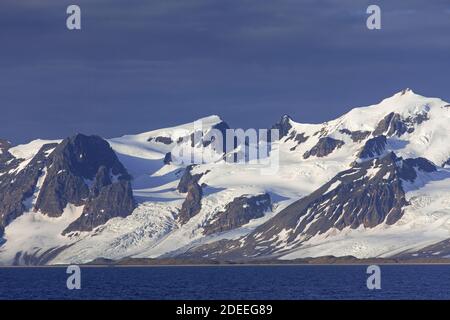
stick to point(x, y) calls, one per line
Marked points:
point(373, 176)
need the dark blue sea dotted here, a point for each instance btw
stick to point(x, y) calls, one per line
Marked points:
point(228, 282)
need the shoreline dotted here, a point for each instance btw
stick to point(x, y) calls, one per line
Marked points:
point(153, 264)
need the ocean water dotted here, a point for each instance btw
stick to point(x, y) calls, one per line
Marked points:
point(228, 282)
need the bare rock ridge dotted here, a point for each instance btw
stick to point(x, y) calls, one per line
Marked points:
point(393, 124)
point(192, 204)
point(390, 125)
point(187, 179)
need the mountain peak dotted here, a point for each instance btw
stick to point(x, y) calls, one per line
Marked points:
point(405, 91)
point(284, 125)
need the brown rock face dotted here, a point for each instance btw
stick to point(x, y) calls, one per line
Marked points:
point(239, 212)
point(110, 201)
point(74, 162)
point(192, 204)
point(187, 179)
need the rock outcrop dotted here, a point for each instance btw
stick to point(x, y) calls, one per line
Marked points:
point(283, 126)
point(163, 140)
point(390, 125)
point(239, 212)
point(75, 163)
point(167, 158)
point(356, 136)
point(192, 204)
point(373, 147)
point(324, 147)
point(420, 164)
point(107, 200)
point(393, 124)
point(299, 138)
point(187, 179)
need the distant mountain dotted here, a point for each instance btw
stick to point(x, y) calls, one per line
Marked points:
point(373, 183)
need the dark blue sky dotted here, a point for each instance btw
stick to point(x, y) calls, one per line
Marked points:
point(141, 65)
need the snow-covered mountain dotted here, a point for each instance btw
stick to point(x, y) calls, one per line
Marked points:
point(373, 183)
